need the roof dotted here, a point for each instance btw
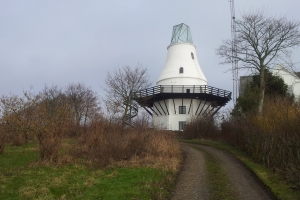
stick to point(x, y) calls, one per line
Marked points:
point(181, 33)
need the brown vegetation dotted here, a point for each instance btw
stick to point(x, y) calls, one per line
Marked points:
point(2, 140)
point(47, 117)
point(54, 115)
point(104, 144)
point(272, 138)
point(202, 127)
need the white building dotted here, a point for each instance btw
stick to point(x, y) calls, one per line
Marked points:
point(290, 78)
point(182, 91)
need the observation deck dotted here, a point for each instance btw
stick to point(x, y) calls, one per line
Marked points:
point(147, 97)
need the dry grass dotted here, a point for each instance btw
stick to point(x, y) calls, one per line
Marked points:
point(114, 146)
point(30, 192)
point(24, 176)
point(271, 139)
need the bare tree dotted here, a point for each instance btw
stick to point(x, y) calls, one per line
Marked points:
point(16, 114)
point(43, 116)
point(48, 116)
point(261, 42)
point(113, 110)
point(121, 84)
point(84, 105)
point(50, 122)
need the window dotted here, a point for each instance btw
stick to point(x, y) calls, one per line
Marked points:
point(188, 90)
point(192, 55)
point(181, 125)
point(182, 110)
point(181, 70)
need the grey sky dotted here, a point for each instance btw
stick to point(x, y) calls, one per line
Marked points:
point(59, 42)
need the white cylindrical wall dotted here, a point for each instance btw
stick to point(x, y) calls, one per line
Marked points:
point(168, 117)
point(182, 55)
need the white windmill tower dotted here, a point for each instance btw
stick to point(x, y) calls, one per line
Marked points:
point(182, 91)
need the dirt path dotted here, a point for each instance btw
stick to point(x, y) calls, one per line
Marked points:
point(192, 181)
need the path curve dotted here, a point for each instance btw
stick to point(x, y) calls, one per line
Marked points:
point(193, 179)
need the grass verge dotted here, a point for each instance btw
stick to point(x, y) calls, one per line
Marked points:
point(278, 186)
point(220, 186)
point(22, 177)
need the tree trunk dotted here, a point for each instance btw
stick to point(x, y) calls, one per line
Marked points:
point(2, 142)
point(261, 90)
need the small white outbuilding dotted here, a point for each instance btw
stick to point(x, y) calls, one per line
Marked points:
point(290, 78)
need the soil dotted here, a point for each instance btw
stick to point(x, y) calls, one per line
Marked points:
point(192, 180)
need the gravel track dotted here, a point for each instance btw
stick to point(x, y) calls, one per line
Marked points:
point(192, 180)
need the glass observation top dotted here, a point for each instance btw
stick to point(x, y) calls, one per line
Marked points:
point(181, 33)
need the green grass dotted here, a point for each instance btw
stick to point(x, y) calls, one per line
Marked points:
point(279, 187)
point(220, 186)
point(22, 178)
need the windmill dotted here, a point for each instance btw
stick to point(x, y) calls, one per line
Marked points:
point(181, 92)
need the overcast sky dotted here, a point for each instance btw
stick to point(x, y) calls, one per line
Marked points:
point(57, 42)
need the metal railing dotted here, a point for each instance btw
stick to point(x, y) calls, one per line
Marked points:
point(194, 89)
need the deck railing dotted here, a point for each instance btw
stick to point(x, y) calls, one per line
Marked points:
point(197, 89)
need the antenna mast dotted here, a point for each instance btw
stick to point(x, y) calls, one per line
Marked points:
point(235, 75)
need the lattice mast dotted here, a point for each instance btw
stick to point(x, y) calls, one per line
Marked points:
point(235, 73)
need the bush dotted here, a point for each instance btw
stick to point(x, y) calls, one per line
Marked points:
point(105, 144)
point(2, 140)
point(48, 117)
point(202, 127)
point(17, 139)
point(272, 138)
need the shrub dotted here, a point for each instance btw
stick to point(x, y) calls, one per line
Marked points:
point(105, 144)
point(48, 117)
point(272, 138)
point(17, 139)
point(201, 127)
point(2, 140)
